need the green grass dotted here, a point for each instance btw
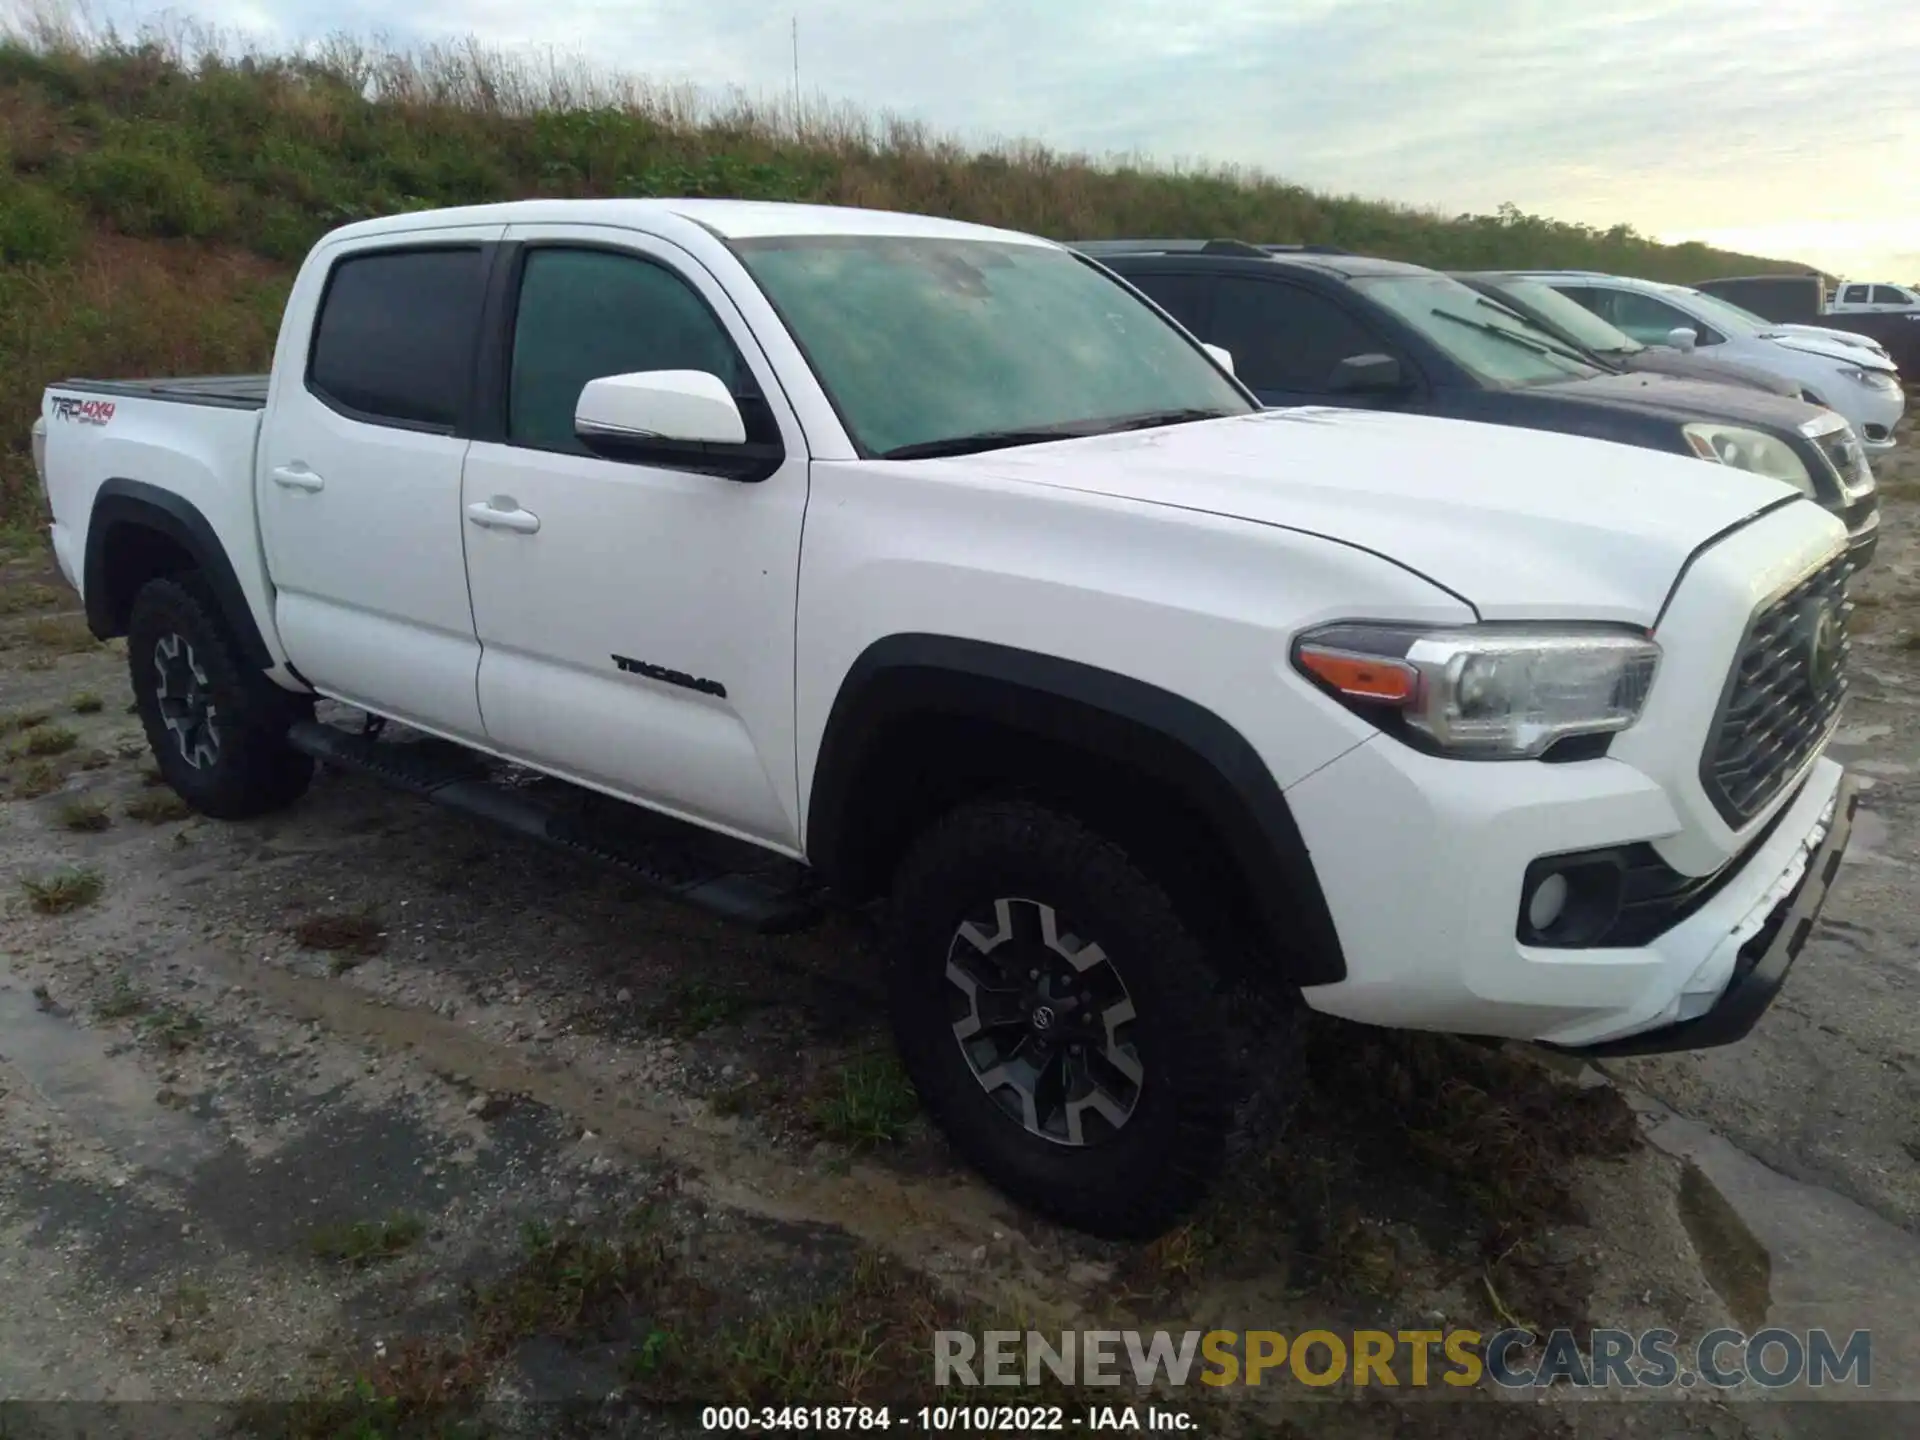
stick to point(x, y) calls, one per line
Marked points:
point(83, 813)
point(64, 891)
point(44, 740)
point(86, 703)
point(123, 1001)
point(157, 806)
point(866, 1103)
point(156, 189)
point(361, 1243)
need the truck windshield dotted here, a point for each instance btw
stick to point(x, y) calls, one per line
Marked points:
point(943, 346)
point(1570, 317)
point(1484, 336)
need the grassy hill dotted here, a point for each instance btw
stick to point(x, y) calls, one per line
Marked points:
point(155, 194)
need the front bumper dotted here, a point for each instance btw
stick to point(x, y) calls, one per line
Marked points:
point(1764, 959)
point(1452, 842)
point(1874, 415)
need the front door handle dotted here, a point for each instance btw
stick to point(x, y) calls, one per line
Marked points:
point(297, 477)
point(502, 514)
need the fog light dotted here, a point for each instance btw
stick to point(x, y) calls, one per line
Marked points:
point(1548, 901)
point(1570, 900)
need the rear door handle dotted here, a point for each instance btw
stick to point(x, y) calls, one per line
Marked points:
point(503, 516)
point(297, 477)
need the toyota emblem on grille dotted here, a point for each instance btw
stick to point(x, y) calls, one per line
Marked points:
point(1820, 633)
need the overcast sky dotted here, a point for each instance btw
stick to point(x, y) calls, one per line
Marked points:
point(1782, 127)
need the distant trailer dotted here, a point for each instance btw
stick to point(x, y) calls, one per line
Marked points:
point(1783, 299)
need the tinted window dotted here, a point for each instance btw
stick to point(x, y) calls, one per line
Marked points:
point(1283, 337)
point(1887, 295)
point(1854, 295)
point(933, 341)
point(1182, 296)
point(588, 313)
point(396, 333)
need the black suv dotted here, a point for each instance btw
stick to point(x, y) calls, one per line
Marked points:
point(1313, 326)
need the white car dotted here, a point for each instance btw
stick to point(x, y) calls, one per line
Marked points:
point(820, 554)
point(1843, 371)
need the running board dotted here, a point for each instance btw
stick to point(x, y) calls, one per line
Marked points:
point(723, 876)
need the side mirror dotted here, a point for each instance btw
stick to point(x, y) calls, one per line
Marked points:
point(1222, 356)
point(1369, 374)
point(1683, 337)
point(675, 419)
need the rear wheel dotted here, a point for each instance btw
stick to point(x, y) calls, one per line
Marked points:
point(1058, 1019)
point(218, 730)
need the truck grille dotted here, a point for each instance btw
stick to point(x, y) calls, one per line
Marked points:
point(1783, 697)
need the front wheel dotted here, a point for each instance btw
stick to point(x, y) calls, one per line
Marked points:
point(1058, 1019)
point(217, 729)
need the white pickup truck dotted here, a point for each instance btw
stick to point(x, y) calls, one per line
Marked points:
point(814, 555)
point(1855, 298)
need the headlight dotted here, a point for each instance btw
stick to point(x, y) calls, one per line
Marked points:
point(1872, 379)
point(1484, 692)
point(1753, 450)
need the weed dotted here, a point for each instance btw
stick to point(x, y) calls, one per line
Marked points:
point(37, 225)
point(158, 807)
point(352, 935)
point(694, 1006)
point(87, 703)
point(83, 813)
point(23, 720)
point(61, 635)
point(173, 1029)
point(124, 1000)
point(366, 1242)
point(63, 892)
point(44, 740)
point(865, 1103)
point(42, 777)
point(20, 598)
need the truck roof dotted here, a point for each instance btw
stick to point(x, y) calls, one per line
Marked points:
point(729, 219)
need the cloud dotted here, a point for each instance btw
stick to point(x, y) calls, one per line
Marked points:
point(1720, 115)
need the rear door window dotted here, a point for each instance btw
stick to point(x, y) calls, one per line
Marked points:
point(1854, 295)
point(1284, 337)
point(394, 341)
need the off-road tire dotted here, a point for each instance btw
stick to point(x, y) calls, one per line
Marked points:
point(1135, 1180)
point(251, 770)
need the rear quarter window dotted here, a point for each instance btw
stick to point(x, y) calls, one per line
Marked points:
point(394, 339)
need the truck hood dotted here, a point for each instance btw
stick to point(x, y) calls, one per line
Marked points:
point(1520, 524)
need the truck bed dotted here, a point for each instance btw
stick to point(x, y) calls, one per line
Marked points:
point(228, 392)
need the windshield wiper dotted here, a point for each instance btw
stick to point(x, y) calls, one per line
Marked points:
point(1512, 337)
point(1570, 349)
point(974, 444)
point(1067, 430)
point(1148, 419)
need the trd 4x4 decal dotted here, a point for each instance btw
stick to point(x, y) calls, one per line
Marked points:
point(84, 412)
